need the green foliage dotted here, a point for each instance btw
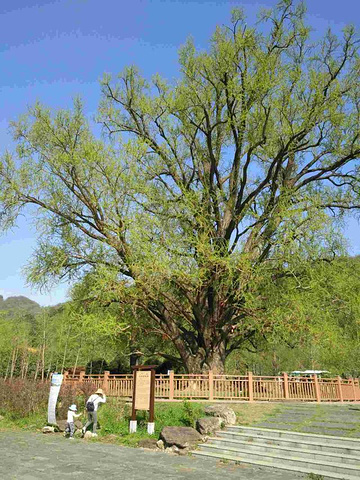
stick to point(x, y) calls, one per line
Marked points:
point(191, 414)
point(205, 192)
point(316, 323)
point(115, 416)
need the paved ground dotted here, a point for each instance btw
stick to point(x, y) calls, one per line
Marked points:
point(35, 456)
point(337, 419)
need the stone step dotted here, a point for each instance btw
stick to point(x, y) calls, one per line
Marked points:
point(290, 435)
point(281, 465)
point(302, 451)
point(281, 458)
point(278, 458)
point(318, 418)
point(297, 442)
point(316, 423)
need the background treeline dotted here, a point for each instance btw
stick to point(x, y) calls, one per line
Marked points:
point(318, 327)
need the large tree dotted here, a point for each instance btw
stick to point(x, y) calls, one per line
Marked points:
point(203, 189)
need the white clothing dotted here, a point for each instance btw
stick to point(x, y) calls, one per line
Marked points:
point(97, 399)
point(71, 416)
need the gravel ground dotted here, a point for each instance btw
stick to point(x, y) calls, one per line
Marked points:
point(35, 456)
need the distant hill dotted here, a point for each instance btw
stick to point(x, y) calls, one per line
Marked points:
point(20, 304)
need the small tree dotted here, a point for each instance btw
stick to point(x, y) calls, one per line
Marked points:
point(204, 189)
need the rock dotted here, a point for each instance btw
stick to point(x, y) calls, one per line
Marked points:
point(78, 433)
point(48, 429)
point(173, 449)
point(160, 444)
point(61, 424)
point(89, 435)
point(209, 425)
point(150, 443)
point(182, 451)
point(181, 437)
point(78, 424)
point(222, 411)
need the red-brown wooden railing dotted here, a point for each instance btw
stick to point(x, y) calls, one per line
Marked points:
point(249, 387)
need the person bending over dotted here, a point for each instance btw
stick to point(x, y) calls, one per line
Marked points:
point(92, 406)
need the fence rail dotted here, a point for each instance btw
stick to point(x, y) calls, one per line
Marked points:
point(230, 387)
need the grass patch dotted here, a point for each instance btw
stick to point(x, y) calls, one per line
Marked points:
point(250, 413)
point(114, 418)
point(32, 422)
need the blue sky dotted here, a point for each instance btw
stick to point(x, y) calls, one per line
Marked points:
point(54, 50)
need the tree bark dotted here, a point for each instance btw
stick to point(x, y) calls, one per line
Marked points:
point(214, 361)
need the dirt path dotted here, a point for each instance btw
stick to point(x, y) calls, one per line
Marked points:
point(34, 456)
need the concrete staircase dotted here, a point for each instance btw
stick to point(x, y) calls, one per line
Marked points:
point(331, 457)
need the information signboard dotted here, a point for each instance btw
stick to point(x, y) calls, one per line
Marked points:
point(142, 390)
point(143, 395)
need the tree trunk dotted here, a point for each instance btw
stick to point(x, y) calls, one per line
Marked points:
point(203, 346)
point(201, 363)
point(76, 361)
point(13, 361)
point(37, 368)
point(43, 350)
point(24, 361)
point(65, 350)
point(8, 368)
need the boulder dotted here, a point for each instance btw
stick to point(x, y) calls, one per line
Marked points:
point(48, 429)
point(88, 435)
point(78, 424)
point(181, 437)
point(150, 443)
point(208, 425)
point(61, 424)
point(222, 411)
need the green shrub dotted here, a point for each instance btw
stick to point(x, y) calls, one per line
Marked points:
point(190, 413)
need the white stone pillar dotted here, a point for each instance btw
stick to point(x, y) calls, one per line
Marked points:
point(151, 428)
point(133, 426)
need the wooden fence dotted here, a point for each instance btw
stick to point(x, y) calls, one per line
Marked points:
point(249, 387)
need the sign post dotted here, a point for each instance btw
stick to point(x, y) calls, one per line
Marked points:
point(143, 395)
point(56, 381)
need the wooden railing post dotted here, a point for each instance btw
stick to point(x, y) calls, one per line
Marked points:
point(286, 386)
point(317, 388)
point(171, 385)
point(251, 386)
point(106, 381)
point(357, 389)
point(82, 375)
point(211, 385)
point(353, 388)
point(341, 398)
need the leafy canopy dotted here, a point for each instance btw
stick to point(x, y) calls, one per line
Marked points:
point(202, 189)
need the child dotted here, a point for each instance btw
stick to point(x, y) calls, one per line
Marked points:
point(70, 425)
